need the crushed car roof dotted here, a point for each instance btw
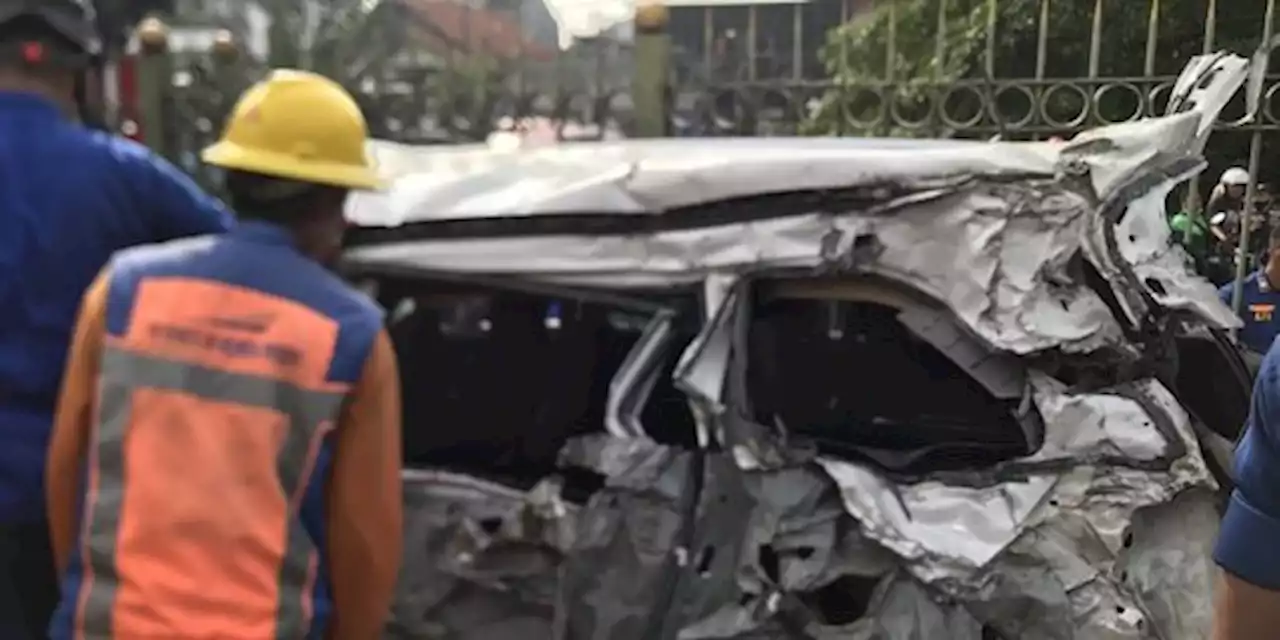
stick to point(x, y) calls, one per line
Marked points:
point(920, 196)
point(657, 176)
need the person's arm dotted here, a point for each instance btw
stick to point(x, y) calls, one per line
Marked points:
point(364, 503)
point(1220, 224)
point(72, 422)
point(1226, 292)
point(175, 205)
point(1178, 225)
point(1247, 602)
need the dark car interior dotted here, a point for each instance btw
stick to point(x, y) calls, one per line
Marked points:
point(1219, 400)
point(495, 382)
point(852, 378)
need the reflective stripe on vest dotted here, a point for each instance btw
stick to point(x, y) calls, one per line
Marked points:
point(126, 379)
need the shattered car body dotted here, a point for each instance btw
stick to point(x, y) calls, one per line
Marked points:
point(808, 388)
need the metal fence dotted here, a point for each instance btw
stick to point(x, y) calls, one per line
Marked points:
point(446, 71)
point(966, 68)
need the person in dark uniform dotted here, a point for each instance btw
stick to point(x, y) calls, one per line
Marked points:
point(1260, 300)
point(1247, 597)
point(70, 197)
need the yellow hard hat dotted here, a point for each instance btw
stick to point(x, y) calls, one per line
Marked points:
point(301, 126)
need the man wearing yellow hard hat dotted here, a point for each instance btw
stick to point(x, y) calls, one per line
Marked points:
point(226, 451)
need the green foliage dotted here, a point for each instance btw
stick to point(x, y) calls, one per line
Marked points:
point(346, 40)
point(923, 65)
point(356, 40)
point(467, 92)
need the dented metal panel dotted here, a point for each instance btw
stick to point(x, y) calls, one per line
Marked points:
point(1044, 271)
point(481, 559)
point(619, 580)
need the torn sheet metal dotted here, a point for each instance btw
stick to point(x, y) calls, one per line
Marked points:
point(653, 176)
point(1020, 292)
point(1017, 294)
point(902, 608)
point(1060, 581)
point(1146, 242)
point(1092, 544)
point(796, 539)
point(1101, 533)
point(1072, 548)
point(618, 580)
point(486, 562)
point(1203, 89)
point(1042, 534)
point(1016, 235)
point(657, 176)
point(1168, 563)
point(1113, 446)
point(1207, 84)
point(481, 559)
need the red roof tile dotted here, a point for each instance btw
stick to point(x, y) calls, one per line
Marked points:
point(450, 25)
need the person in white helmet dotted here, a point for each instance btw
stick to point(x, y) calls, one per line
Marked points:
point(1235, 181)
point(1226, 204)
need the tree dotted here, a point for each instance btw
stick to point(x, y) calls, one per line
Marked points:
point(856, 55)
point(347, 40)
point(469, 92)
point(442, 61)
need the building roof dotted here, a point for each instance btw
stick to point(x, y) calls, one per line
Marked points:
point(449, 25)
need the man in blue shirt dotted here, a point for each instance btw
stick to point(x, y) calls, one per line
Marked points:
point(69, 198)
point(1259, 303)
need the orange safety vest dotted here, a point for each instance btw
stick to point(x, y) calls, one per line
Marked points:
point(227, 361)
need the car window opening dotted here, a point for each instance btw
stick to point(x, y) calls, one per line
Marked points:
point(1220, 400)
point(851, 377)
point(495, 382)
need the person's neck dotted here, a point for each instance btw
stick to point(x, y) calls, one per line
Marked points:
point(310, 243)
point(11, 82)
point(1272, 273)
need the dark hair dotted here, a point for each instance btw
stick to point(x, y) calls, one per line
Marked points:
point(279, 200)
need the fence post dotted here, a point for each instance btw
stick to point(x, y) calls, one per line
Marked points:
point(155, 80)
point(227, 72)
point(649, 92)
point(1261, 63)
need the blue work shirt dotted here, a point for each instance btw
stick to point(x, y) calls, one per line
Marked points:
point(1249, 542)
point(1258, 311)
point(69, 198)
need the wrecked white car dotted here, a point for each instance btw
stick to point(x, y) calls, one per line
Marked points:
point(807, 388)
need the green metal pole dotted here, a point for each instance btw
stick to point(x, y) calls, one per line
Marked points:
point(227, 71)
point(652, 68)
point(1255, 165)
point(155, 80)
point(1246, 219)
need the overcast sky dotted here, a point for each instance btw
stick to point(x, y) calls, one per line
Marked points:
point(582, 18)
